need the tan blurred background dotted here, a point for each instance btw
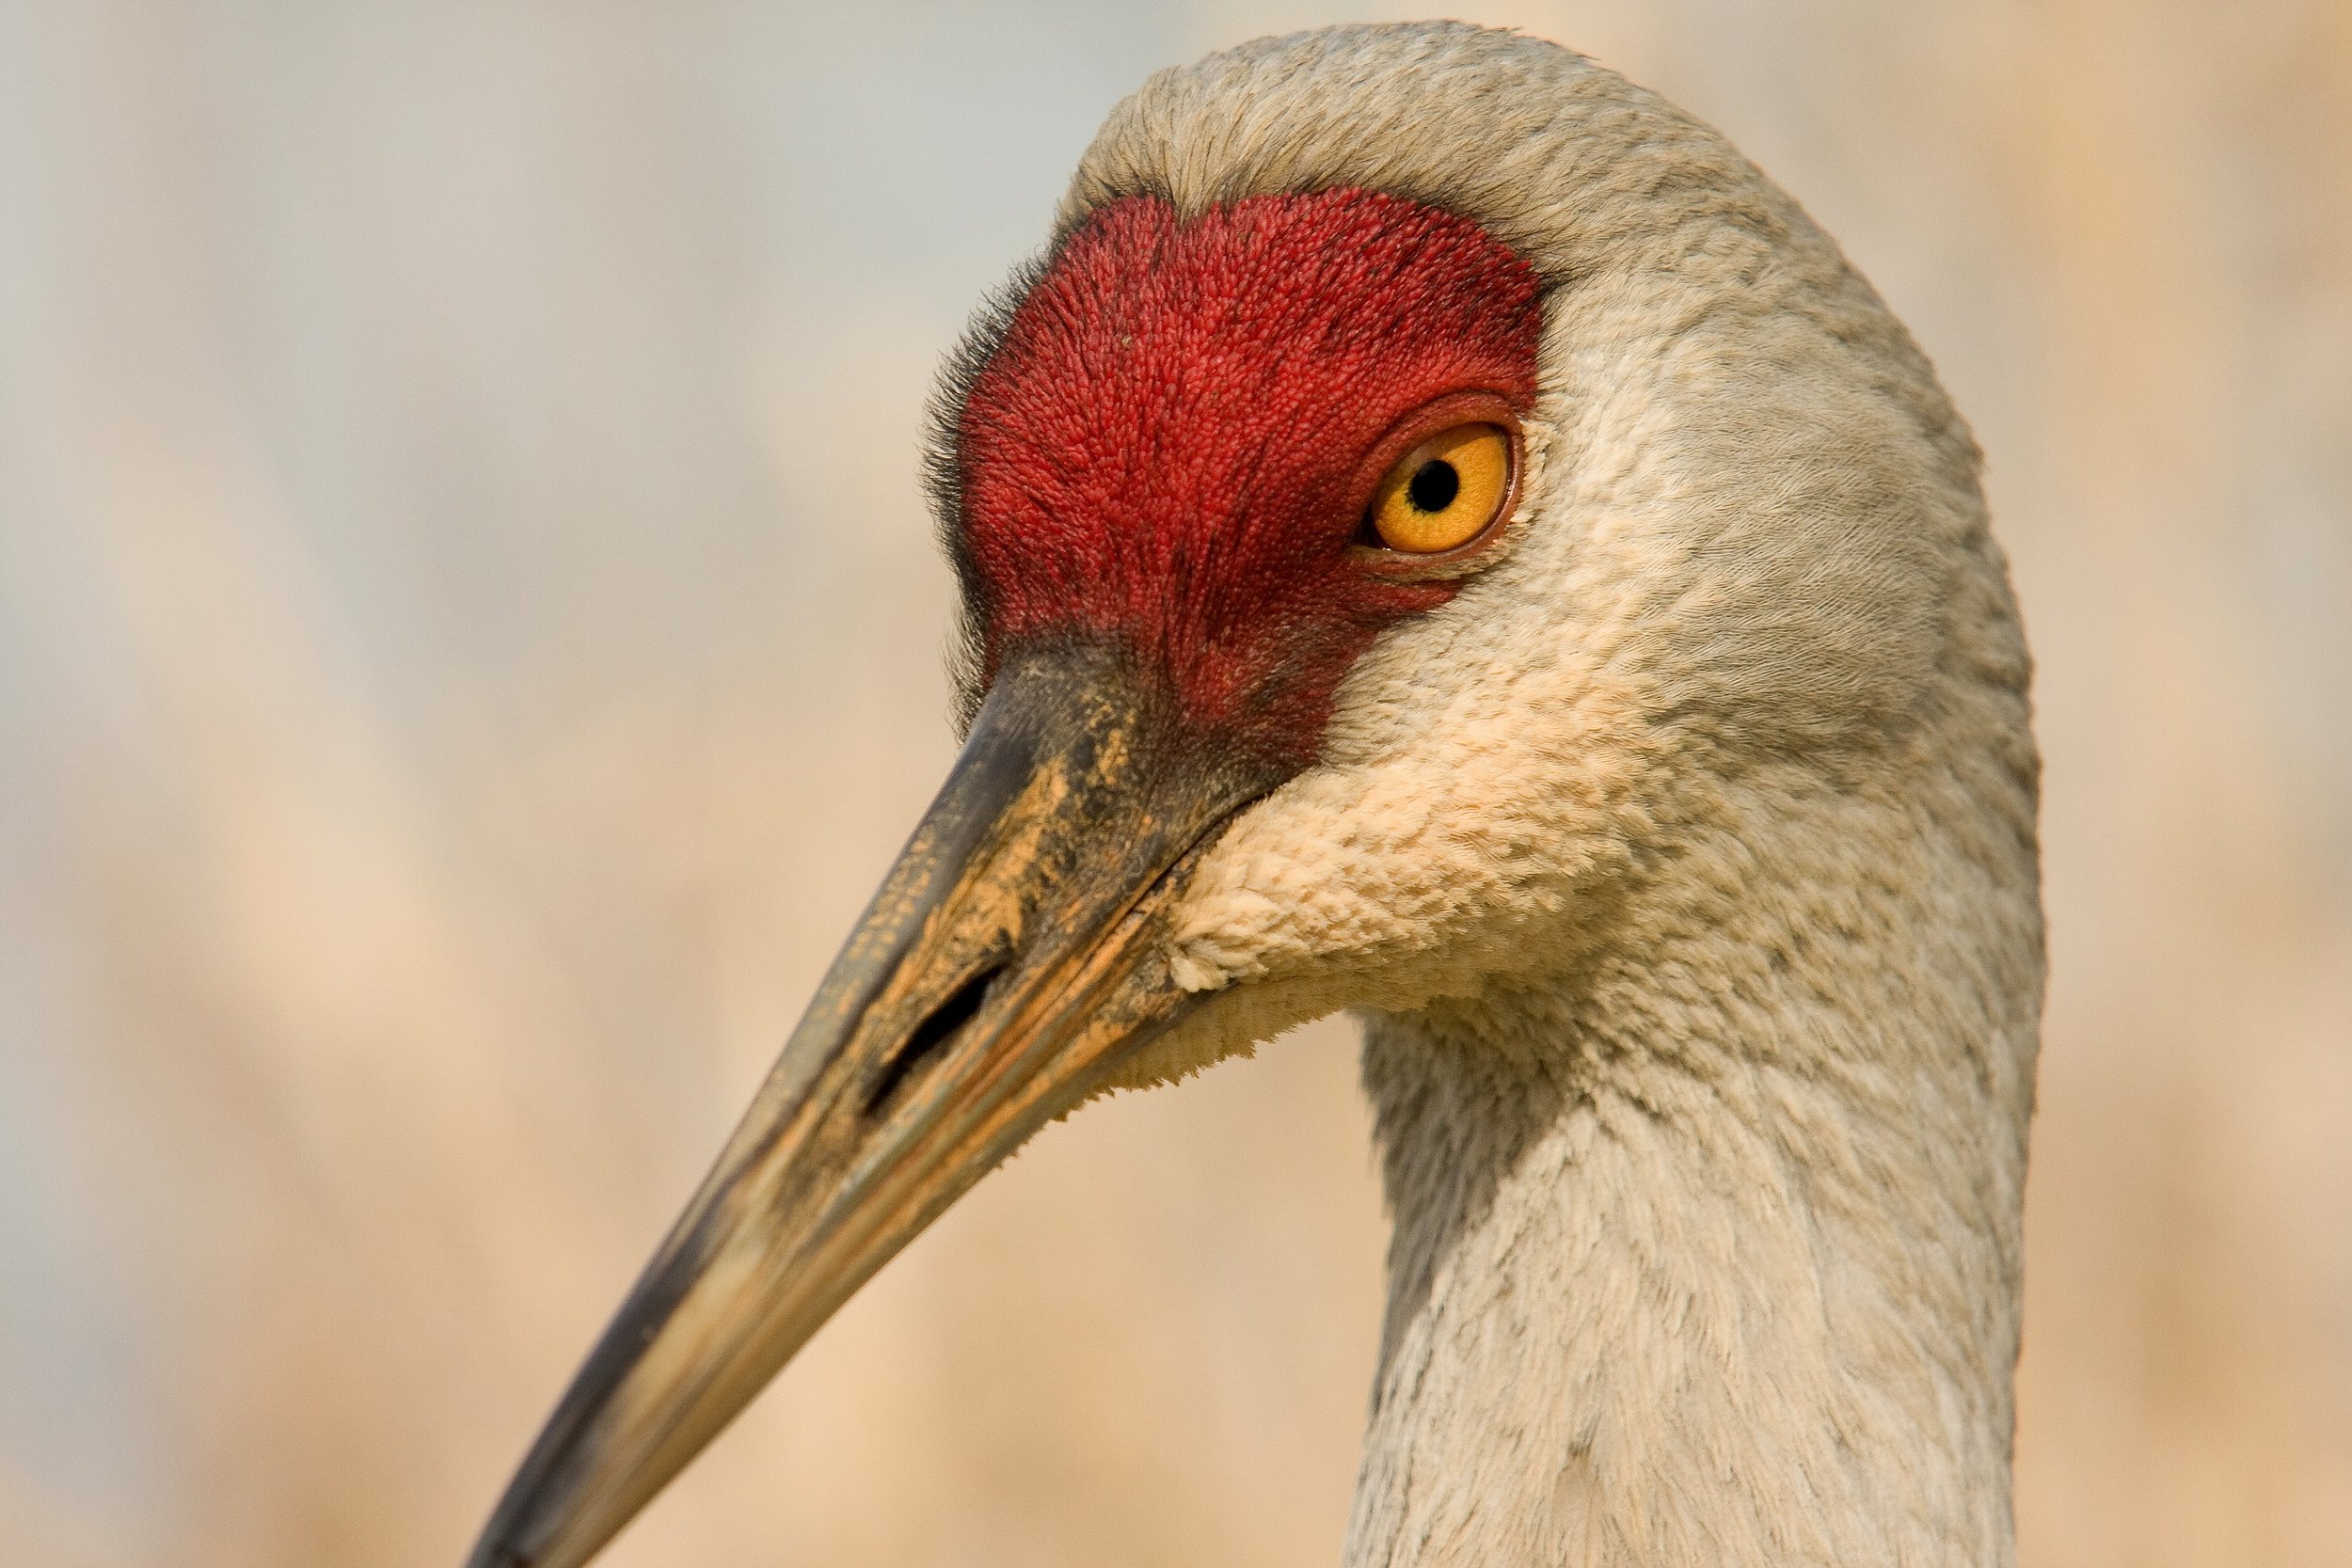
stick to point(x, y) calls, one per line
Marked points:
point(470, 639)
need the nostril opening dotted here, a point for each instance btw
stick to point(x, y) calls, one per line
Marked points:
point(934, 1031)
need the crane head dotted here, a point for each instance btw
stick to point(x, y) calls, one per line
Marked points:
point(1370, 566)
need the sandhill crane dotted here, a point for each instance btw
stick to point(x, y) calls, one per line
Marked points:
point(1444, 536)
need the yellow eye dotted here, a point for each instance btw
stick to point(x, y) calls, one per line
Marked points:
point(1443, 493)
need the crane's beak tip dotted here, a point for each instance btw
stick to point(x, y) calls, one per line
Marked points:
point(1012, 960)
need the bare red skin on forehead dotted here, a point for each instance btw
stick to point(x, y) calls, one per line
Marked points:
point(1166, 449)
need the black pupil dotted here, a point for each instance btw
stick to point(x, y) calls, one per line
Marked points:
point(1434, 486)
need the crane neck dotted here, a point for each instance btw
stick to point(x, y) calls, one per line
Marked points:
point(1705, 1260)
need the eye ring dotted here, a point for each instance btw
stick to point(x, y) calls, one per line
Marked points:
point(1461, 513)
point(1443, 493)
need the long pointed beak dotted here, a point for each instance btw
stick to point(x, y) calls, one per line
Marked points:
point(1008, 962)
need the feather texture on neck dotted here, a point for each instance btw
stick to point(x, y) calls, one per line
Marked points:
point(1709, 1252)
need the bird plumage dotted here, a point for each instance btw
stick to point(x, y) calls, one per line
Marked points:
point(1683, 866)
point(1680, 860)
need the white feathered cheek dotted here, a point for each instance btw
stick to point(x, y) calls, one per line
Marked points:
point(1361, 862)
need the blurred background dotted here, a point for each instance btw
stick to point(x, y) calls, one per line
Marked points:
point(470, 639)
